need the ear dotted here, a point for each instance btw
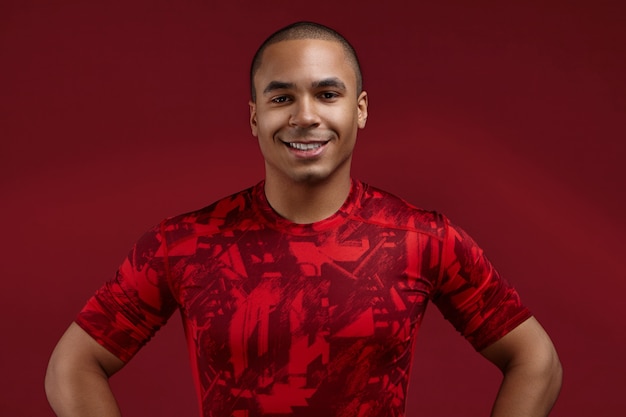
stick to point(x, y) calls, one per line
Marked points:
point(253, 122)
point(362, 109)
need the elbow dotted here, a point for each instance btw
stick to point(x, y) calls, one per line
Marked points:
point(547, 366)
point(550, 376)
point(52, 382)
point(539, 359)
point(60, 376)
point(554, 371)
point(544, 367)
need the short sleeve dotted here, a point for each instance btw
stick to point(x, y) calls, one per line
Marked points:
point(126, 312)
point(479, 303)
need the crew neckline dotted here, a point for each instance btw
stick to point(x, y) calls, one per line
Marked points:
point(276, 221)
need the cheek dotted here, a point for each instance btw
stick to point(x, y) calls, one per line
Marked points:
point(346, 120)
point(267, 124)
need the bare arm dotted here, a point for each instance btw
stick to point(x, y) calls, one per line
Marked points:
point(77, 377)
point(531, 368)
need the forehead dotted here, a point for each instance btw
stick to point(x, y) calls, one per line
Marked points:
point(303, 59)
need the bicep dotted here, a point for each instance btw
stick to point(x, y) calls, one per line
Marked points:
point(78, 350)
point(526, 344)
point(532, 373)
point(76, 382)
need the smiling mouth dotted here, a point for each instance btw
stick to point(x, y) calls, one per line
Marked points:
point(306, 146)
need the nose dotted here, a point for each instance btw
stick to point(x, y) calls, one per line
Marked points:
point(304, 114)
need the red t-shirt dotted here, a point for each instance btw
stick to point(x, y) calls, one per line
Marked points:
point(302, 320)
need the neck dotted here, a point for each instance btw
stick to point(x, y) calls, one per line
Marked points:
point(305, 203)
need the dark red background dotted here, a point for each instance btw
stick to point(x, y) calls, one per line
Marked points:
point(507, 117)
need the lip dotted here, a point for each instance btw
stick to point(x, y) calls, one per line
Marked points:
point(307, 147)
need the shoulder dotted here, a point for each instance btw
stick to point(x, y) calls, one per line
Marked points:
point(386, 209)
point(227, 213)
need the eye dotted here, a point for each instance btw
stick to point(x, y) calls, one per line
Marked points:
point(329, 95)
point(280, 99)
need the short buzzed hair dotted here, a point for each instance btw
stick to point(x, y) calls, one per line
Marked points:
point(306, 30)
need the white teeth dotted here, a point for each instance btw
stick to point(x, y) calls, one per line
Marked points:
point(304, 146)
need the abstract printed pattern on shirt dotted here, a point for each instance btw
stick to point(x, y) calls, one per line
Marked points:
point(302, 320)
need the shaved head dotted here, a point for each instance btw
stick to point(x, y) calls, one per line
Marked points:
point(306, 30)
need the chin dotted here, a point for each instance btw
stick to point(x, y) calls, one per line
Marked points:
point(319, 175)
point(312, 175)
point(310, 178)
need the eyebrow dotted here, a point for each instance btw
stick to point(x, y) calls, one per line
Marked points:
point(326, 82)
point(278, 85)
point(330, 82)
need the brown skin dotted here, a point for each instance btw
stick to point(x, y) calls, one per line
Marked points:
point(77, 380)
point(307, 94)
point(531, 369)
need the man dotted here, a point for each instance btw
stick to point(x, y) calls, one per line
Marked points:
point(302, 295)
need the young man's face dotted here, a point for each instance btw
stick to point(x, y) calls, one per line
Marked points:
point(307, 112)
